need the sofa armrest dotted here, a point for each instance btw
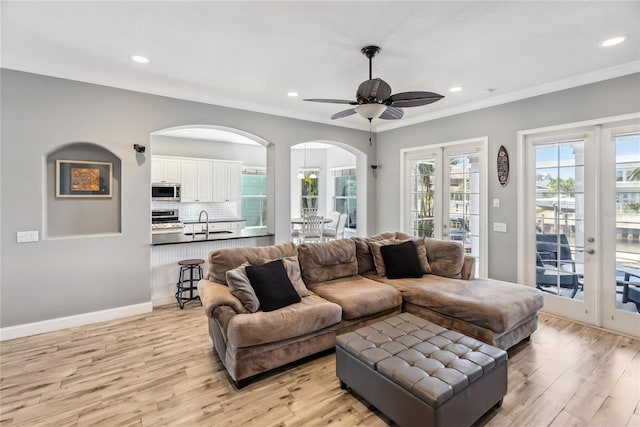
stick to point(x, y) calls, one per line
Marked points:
point(468, 268)
point(214, 295)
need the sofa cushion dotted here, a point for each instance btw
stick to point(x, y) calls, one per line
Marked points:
point(489, 303)
point(241, 288)
point(358, 296)
point(401, 260)
point(272, 285)
point(363, 253)
point(320, 262)
point(223, 260)
point(379, 262)
point(446, 258)
point(311, 314)
point(292, 266)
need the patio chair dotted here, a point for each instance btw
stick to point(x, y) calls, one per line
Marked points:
point(554, 264)
point(631, 288)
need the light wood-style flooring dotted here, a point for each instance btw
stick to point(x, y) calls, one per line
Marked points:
point(159, 369)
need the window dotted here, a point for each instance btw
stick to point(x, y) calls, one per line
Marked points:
point(254, 196)
point(309, 194)
point(345, 193)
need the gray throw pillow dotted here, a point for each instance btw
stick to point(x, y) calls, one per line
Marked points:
point(241, 288)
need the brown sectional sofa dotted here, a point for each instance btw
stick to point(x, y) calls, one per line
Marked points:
point(346, 293)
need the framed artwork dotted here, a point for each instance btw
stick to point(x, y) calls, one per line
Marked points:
point(79, 178)
point(503, 166)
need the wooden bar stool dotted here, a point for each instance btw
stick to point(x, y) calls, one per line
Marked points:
point(194, 267)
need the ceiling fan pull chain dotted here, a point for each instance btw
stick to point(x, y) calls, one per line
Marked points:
point(370, 143)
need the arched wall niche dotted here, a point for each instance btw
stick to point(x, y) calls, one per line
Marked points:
point(81, 216)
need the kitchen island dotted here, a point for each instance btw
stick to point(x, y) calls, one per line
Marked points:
point(168, 249)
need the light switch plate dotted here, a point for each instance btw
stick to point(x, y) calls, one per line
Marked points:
point(496, 203)
point(27, 236)
point(500, 226)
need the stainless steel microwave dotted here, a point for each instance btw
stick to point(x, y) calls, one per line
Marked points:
point(165, 192)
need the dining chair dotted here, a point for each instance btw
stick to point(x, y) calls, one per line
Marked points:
point(312, 229)
point(337, 232)
point(309, 212)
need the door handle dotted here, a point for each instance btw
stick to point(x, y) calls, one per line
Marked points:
point(590, 251)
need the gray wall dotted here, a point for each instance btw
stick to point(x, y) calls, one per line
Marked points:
point(500, 124)
point(62, 277)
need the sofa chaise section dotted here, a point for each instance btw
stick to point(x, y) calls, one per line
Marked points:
point(496, 312)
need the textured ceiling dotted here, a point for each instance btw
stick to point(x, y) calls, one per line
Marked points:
point(250, 54)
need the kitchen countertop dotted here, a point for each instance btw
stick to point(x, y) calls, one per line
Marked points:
point(178, 238)
point(193, 221)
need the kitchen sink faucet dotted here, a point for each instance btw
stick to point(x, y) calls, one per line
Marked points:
point(206, 215)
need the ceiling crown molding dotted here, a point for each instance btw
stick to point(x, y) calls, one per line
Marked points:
point(558, 85)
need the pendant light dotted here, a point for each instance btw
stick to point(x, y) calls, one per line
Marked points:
point(301, 174)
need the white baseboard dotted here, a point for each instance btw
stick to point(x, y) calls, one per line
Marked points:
point(164, 300)
point(59, 323)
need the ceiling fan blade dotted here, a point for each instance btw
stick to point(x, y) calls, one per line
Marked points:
point(333, 101)
point(344, 113)
point(412, 99)
point(392, 113)
point(373, 90)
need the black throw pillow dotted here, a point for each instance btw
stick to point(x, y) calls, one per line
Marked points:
point(272, 285)
point(401, 261)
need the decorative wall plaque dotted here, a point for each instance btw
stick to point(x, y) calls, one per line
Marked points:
point(503, 166)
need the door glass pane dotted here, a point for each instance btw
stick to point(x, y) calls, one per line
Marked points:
point(464, 202)
point(560, 218)
point(628, 222)
point(422, 187)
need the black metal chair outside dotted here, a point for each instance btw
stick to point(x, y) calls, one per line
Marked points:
point(553, 256)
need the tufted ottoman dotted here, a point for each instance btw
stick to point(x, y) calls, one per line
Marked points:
point(421, 374)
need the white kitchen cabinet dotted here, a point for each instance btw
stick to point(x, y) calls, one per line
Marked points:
point(197, 176)
point(219, 226)
point(226, 181)
point(237, 225)
point(165, 170)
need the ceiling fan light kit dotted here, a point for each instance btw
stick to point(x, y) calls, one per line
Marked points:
point(375, 100)
point(370, 111)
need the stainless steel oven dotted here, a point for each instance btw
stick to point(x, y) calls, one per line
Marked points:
point(165, 192)
point(165, 221)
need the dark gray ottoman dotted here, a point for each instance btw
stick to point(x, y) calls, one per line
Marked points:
point(421, 374)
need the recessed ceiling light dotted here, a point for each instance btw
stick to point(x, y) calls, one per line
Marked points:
point(455, 89)
point(613, 41)
point(292, 94)
point(140, 59)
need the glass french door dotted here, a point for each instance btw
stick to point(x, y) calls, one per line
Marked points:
point(620, 188)
point(581, 226)
point(444, 198)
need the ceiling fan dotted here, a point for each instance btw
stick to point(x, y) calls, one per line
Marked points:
point(374, 98)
